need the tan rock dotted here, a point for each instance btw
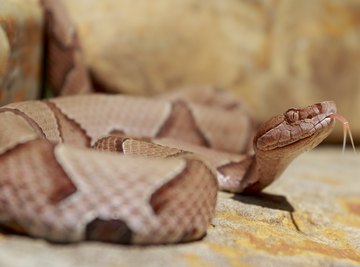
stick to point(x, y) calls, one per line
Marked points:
point(20, 50)
point(4, 53)
point(275, 54)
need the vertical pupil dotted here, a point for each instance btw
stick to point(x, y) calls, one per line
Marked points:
point(292, 115)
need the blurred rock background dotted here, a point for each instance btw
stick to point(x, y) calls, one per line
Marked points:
point(21, 49)
point(273, 53)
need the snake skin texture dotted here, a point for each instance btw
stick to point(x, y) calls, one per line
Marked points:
point(72, 192)
point(65, 65)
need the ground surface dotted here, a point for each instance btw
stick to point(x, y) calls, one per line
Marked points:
point(310, 217)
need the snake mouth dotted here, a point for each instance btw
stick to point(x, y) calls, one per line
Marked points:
point(297, 125)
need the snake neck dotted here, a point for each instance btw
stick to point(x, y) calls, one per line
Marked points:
point(265, 168)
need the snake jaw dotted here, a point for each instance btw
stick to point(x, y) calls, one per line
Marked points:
point(297, 126)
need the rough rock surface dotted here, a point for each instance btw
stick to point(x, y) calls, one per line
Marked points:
point(21, 25)
point(310, 217)
point(273, 53)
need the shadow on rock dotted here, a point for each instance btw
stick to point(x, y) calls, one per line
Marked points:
point(270, 201)
point(266, 200)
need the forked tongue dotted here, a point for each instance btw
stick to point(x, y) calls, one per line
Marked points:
point(346, 128)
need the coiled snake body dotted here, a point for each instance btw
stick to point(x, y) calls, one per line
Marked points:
point(53, 186)
point(137, 170)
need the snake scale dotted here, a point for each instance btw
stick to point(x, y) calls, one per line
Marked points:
point(130, 169)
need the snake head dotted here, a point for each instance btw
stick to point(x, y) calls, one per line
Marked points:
point(297, 130)
point(282, 138)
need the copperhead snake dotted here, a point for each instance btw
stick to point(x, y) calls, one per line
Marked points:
point(131, 169)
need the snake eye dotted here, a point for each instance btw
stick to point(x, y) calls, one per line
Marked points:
point(292, 115)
